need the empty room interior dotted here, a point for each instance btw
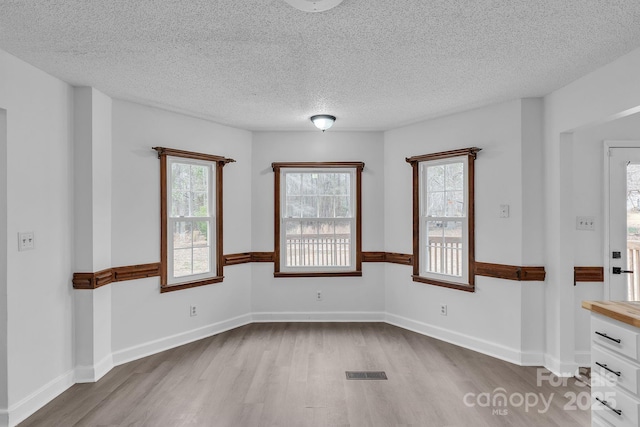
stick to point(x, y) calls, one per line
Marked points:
point(331, 212)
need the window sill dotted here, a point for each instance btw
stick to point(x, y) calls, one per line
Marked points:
point(444, 284)
point(194, 284)
point(320, 274)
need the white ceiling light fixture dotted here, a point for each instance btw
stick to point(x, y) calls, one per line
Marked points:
point(323, 121)
point(314, 5)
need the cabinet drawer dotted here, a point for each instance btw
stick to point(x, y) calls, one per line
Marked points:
point(614, 405)
point(596, 421)
point(615, 370)
point(615, 336)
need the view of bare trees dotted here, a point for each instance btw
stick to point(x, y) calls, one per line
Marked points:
point(318, 220)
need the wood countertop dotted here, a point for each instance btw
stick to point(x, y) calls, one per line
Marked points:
point(623, 311)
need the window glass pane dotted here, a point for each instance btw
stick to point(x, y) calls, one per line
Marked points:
point(455, 204)
point(182, 234)
point(199, 204)
point(293, 183)
point(179, 204)
point(444, 247)
point(435, 178)
point(201, 233)
point(182, 262)
point(454, 176)
point(452, 248)
point(189, 190)
point(294, 207)
point(325, 207)
point(180, 176)
point(325, 184)
point(434, 244)
point(309, 207)
point(435, 204)
point(292, 243)
point(201, 260)
point(343, 184)
point(343, 207)
point(309, 243)
point(343, 243)
point(326, 243)
point(309, 183)
point(199, 178)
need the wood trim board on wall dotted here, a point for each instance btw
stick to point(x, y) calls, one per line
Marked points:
point(588, 274)
point(500, 271)
point(115, 274)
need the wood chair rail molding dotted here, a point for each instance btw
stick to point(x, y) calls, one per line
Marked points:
point(588, 274)
point(510, 272)
point(115, 274)
point(499, 271)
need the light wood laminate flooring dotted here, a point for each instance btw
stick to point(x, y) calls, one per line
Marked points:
point(293, 374)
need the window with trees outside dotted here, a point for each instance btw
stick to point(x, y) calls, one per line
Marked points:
point(191, 218)
point(443, 218)
point(317, 219)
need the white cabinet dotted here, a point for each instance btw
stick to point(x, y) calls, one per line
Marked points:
point(615, 373)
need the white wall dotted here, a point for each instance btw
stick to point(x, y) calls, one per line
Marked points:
point(588, 200)
point(490, 319)
point(3, 267)
point(92, 228)
point(39, 199)
point(362, 297)
point(610, 92)
point(141, 315)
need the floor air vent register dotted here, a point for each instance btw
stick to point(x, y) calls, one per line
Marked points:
point(366, 375)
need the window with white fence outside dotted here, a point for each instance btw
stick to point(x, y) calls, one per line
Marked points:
point(318, 219)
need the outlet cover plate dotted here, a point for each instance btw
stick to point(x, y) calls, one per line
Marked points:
point(26, 241)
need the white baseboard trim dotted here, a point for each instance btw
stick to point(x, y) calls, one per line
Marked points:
point(166, 343)
point(530, 358)
point(319, 316)
point(583, 358)
point(559, 368)
point(36, 400)
point(91, 374)
point(486, 347)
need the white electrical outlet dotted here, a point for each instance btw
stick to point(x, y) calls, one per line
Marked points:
point(26, 241)
point(504, 211)
point(443, 309)
point(319, 296)
point(193, 311)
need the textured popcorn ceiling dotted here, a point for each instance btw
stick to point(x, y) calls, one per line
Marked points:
point(375, 64)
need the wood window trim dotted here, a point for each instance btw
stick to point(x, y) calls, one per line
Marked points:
point(414, 161)
point(220, 161)
point(358, 166)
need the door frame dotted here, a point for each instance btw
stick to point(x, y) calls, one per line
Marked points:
point(608, 144)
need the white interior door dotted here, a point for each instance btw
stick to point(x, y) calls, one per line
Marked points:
point(622, 262)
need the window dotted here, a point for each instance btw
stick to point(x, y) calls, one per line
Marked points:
point(317, 219)
point(191, 218)
point(443, 218)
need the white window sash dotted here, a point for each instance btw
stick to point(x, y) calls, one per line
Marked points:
point(211, 220)
point(424, 219)
point(284, 220)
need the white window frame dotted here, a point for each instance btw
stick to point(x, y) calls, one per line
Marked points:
point(467, 281)
point(424, 219)
point(211, 219)
point(284, 220)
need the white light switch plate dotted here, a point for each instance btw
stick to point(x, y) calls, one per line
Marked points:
point(585, 223)
point(26, 241)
